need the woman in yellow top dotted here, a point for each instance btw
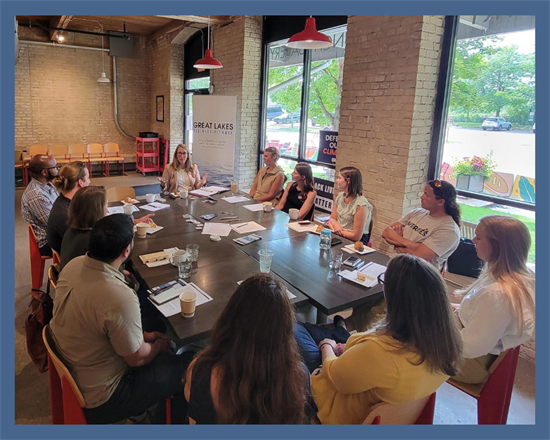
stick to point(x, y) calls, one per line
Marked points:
point(182, 173)
point(268, 185)
point(410, 353)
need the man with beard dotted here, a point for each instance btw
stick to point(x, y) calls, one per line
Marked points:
point(96, 327)
point(38, 198)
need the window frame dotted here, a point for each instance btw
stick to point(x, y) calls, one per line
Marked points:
point(440, 118)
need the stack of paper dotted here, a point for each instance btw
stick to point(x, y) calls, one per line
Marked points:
point(371, 272)
point(202, 192)
point(235, 199)
point(155, 206)
point(296, 226)
point(247, 227)
point(215, 189)
point(173, 307)
point(255, 207)
point(221, 229)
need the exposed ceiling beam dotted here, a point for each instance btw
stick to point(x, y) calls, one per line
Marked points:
point(59, 22)
point(214, 19)
point(168, 28)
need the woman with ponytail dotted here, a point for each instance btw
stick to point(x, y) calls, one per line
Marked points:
point(69, 180)
point(497, 312)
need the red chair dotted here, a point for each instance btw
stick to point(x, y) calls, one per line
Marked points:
point(493, 396)
point(38, 262)
point(66, 400)
point(417, 412)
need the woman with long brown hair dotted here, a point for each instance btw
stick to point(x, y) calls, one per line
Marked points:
point(252, 372)
point(69, 180)
point(182, 173)
point(497, 311)
point(300, 193)
point(407, 356)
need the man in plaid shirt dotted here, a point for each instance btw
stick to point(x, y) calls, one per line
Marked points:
point(38, 198)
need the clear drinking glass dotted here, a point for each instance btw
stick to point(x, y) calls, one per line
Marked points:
point(193, 252)
point(335, 262)
point(184, 268)
point(266, 256)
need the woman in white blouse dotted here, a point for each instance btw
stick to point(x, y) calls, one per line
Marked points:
point(351, 213)
point(182, 173)
point(497, 312)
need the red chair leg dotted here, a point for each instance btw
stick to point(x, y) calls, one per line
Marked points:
point(168, 411)
point(56, 395)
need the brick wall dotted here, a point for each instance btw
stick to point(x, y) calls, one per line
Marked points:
point(389, 88)
point(238, 46)
point(58, 98)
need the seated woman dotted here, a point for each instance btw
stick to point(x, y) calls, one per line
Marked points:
point(88, 205)
point(268, 184)
point(251, 373)
point(70, 179)
point(351, 213)
point(411, 352)
point(182, 173)
point(299, 194)
point(497, 311)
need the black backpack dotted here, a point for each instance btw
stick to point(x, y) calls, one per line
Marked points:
point(464, 261)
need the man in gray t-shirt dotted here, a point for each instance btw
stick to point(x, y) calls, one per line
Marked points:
point(430, 232)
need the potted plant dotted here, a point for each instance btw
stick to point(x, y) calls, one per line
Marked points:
point(472, 172)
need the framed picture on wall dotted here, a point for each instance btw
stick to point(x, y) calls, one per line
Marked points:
point(160, 108)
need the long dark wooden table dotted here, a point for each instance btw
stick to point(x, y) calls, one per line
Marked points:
point(298, 262)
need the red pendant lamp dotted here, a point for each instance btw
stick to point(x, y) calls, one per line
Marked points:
point(309, 38)
point(208, 61)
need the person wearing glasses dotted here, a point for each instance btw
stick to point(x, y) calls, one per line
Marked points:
point(38, 198)
point(70, 179)
point(431, 232)
point(182, 173)
point(405, 357)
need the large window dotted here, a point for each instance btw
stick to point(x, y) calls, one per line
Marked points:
point(198, 86)
point(487, 143)
point(302, 97)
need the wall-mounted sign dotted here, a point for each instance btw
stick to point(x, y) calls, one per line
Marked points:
point(328, 144)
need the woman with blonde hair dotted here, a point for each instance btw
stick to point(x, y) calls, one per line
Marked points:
point(69, 180)
point(182, 173)
point(251, 373)
point(268, 184)
point(497, 312)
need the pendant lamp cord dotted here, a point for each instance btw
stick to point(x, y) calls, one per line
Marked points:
point(102, 53)
point(209, 32)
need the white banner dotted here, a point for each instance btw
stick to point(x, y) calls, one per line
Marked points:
point(214, 125)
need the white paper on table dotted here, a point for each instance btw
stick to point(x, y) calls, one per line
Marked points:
point(202, 192)
point(173, 307)
point(221, 229)
point(235, 199)
point(296, 226)
point(156, 229)
point(288, 292)
point(246, 227)
point(155, 206)
point(349, 248)
point(115, 210)
point(158, 263)
point(371, 270)
point(215, 189)
point(255, 207)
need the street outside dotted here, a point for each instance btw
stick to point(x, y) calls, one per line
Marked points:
point(513, 152)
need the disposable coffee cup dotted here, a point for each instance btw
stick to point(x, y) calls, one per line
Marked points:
point(293, 213)
point(128, 209)
point(184, 193)
point(142, 229)
point(268, 206)
point(234, 187)
point(150, 198)
point(188, 301)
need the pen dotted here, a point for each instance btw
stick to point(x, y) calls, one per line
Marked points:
point(364, 265)
point(240, 226)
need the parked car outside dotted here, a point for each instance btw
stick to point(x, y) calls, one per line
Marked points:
point(287, 118)
point(273, 112)
point(496, 123)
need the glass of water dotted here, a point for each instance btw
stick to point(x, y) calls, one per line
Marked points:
point(184, 268)
point(193, 252)
point(266, 256)
point(335, 262)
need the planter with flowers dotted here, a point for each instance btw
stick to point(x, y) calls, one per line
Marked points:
point(472, 172)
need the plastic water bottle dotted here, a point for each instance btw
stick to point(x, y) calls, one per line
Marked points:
point(326, 236)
